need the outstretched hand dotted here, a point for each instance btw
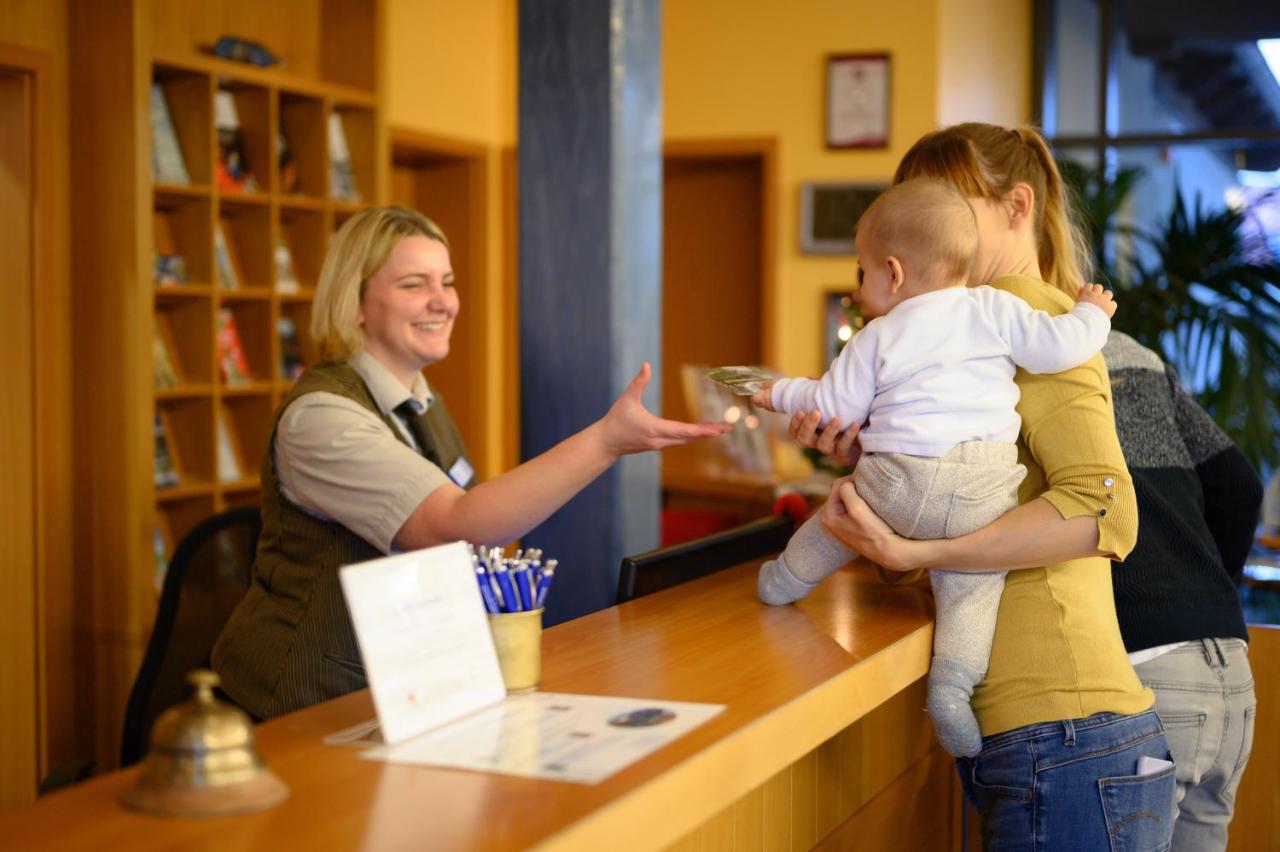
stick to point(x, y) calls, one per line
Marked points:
point(629, 427)
point(833, 441)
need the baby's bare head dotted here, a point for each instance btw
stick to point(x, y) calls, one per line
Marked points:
point(926, 224)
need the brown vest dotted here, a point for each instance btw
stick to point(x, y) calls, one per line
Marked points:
point(290, 643)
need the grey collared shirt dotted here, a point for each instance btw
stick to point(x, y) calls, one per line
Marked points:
point(340, 462)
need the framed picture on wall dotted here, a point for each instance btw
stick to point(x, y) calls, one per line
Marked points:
point(858, 100)
point(829, 212)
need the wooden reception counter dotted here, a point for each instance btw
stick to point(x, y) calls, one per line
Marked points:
point(823, 737)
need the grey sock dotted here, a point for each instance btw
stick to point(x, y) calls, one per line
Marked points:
point(777, 585)
point(951, 686)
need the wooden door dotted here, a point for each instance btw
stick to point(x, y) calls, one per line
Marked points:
point(713, 264)
point(18, 493)
point(445, 182)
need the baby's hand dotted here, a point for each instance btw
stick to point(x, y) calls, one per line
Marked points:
point(1096, 294)
point(763, 398)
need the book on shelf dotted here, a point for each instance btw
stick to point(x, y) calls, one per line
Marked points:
point(286, 280)
point(166, 375)
point(233, 366)
point(229, 469)
point(166, 472)
point(342, 179)
point(167, 165)
point(170, 269)
point(233, 169)
point(291, 365)
point(228, 278)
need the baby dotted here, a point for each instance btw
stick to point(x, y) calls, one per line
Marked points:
point(933, 373)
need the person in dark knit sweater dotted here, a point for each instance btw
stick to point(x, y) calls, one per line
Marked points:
point(1176, 599)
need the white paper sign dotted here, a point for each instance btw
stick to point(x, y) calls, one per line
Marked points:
point(580, 738)
point(424, 638)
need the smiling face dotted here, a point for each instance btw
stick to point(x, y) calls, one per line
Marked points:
point(408, 307)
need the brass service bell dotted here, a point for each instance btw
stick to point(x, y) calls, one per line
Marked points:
point(202, 761)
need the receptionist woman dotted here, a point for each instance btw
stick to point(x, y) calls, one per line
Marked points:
point(364, 460)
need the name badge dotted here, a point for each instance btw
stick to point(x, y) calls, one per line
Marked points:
point(462, 472)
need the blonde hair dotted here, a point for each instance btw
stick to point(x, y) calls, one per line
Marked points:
point(358, 250)
point(986, 161)
point(928, 225)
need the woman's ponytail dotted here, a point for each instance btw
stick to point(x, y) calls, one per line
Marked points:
point(1064, 254)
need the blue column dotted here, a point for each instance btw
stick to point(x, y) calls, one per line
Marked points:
point(590, 266)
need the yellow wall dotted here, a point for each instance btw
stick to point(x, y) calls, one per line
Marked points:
point(736, 68)
point(450, 70)
point(984, 61)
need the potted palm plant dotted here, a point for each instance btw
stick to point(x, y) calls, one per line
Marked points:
point(1198, 292)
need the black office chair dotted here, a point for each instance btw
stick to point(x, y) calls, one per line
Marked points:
point(670, 566)
point(208, 575)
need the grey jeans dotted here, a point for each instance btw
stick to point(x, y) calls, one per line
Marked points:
point(1205, 698)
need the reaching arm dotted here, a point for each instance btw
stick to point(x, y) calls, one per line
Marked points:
point(845, 391)
point(1042, 343)
point(508, 506)
point(1031, 536)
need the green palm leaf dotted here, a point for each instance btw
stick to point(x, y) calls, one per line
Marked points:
point(1188, 291)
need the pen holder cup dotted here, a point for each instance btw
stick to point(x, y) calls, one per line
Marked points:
point(517, 637)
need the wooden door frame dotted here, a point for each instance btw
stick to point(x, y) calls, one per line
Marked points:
point(51, 340)
point(767, 150)
point(476, 309)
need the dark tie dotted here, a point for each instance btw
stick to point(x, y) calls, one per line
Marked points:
point(418, 426)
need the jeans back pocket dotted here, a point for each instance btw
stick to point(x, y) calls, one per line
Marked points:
point(1139, 811)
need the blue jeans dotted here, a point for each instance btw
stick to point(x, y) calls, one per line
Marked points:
point(1074, 785)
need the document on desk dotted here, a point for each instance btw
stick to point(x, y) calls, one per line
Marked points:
point(578, 738)
point(424, 638)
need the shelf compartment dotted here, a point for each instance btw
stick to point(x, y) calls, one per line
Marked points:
point(303, 234)
point(299, 315)
point(246, 232)
point(303, 129)
point(180, 512)
point(180, 226)
point(242, 124)
point(188, 430)
point(187, 97)
point(358, 139)
point(186, 328)
point(248, 423)
point(246, 326)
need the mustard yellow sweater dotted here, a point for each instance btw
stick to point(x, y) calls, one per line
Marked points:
point(1057, 652)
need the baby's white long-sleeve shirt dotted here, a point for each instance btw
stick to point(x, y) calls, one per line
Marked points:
point(938, 369)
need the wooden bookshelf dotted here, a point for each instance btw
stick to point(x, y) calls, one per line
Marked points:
point(123, 218)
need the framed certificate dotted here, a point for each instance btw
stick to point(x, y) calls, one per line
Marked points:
point(858, 100)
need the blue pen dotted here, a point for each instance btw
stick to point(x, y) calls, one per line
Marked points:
point(486, 592)
point(524, 585)
point(510, 601)
point(544, 583)
point(485, 577)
